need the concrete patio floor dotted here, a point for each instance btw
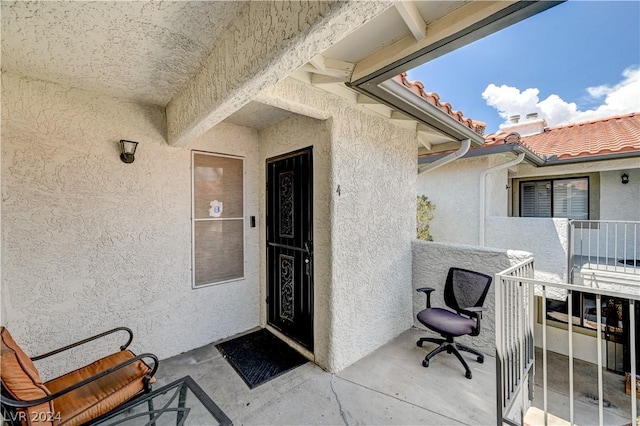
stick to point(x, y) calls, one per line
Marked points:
point(387, 387)
point(617, 404)
point(390, 387)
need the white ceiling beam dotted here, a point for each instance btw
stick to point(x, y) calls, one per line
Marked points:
point(319, 79)
point(319, 64)
point(446, 26)
point(330, 67)
point(423, 138)
point(406, 124)
point(403, 121)
point(412, 18)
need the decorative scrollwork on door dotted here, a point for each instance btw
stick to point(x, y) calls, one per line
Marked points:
point(286, 204)
point(286, 287)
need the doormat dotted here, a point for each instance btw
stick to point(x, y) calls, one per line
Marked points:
point(260, 356)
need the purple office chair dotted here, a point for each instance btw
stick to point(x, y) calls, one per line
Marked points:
point(464, 293)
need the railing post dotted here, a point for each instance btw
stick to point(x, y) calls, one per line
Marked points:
point(499, 337)
point(599, 347)
point(633, 340)
point(570, 329)
point(571, 258)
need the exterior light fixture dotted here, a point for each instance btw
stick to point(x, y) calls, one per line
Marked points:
point(128, 149)
point(624, 178)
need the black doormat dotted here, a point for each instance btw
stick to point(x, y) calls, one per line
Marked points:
point(260, 356)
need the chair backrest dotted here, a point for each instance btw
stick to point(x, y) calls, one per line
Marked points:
point(465, 289)
point(21, 380)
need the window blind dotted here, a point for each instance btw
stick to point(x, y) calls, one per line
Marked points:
point(535, 199)
point(571, 199)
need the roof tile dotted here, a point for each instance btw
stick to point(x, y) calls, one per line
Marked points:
point(434, 99)
point(620, 133)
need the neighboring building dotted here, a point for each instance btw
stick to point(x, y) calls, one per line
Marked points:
point(571, 171)
point(522, 187)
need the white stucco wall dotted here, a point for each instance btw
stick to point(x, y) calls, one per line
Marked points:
point(373, 223)
point(372, 187)
point(291, 134)
point(618, 201)
point(91, 243)
point(455, 191)
point(546, 238)
point(431, 263)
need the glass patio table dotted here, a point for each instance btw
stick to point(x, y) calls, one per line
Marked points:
point(182, 402)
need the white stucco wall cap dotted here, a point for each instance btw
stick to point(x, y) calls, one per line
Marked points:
point(521, 255)
point(515, 253)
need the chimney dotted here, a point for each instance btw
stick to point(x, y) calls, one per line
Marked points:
point(531, 126)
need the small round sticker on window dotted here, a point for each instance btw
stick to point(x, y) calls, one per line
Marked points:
point(216, 208)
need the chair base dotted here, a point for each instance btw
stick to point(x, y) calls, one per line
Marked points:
point(451, 347)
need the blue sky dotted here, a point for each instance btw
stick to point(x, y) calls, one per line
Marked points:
point(577, 61)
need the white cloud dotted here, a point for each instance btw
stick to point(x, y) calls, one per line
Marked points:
point(620, 98)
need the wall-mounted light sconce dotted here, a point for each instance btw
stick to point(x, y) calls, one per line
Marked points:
point(128, 149)
point(624, 178)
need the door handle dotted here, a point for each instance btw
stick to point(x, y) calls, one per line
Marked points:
point(308, 263)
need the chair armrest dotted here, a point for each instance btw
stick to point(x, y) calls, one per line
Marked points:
point(477, 310)
point(89, 339)
point(427, 291)
point(25, 404)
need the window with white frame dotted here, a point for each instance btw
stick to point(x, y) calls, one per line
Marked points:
point(567, 197)
point(217, 218)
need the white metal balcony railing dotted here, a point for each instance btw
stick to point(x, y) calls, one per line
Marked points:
point(603, 245)
point(515, 293)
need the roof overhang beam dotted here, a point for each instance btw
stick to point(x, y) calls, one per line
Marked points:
point(373, 76)
point(412, 19)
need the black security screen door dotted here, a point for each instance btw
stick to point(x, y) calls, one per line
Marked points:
point(290, 245)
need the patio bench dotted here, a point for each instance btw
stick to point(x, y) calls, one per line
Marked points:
point(74, 398)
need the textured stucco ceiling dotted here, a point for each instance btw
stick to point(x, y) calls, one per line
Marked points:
point(257, 115)
point(144, 51)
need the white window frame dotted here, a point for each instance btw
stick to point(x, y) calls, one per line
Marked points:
point(194, 220)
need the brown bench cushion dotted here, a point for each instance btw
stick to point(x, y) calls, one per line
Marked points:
point(21, 378)
point(102, 395)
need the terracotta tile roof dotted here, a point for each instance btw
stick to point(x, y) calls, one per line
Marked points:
point(608, 135)
point(434, 99)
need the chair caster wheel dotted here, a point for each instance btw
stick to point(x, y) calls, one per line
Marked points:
point(425, 363)
point(480, 359)
point(419, 343)
point(467, 374)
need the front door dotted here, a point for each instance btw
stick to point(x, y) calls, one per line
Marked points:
point(290, 245)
